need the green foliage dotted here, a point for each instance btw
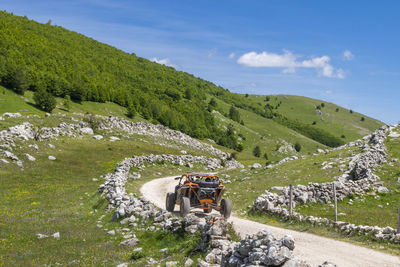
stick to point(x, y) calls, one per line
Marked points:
point(15, 80)
point(362, 119)
point(319, 135)
point(314, 122)
point(343, 136)
point(318, 107)
point(35, 55)
point(67, 102)
point(265, 156)
point(229, 139)
point(131, 111)
point(322, 105)
point(297, 146)
point(44, 100)
point(257, 151)
point(351, 111)
point(337, 109)
point(234, 114)
point(267, 98)
point(92, 120)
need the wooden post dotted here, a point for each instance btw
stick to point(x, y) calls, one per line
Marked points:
point(398, 219)
point(335, 200)
point(290, 200)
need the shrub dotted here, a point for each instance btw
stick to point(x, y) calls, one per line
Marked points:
point(257, 151)
point(337, 110)
point(318, 107)
point(44, 100)
point(131, 111)
point(266, 156)
point(314, 122)
point(343, 136)
point(322, 105)
point(92, 120)
point(67, 102)
point(297, 146)
point(362, 119)
point(351, 111)
point(267, 98)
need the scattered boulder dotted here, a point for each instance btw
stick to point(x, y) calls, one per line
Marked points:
point(30, 158)
point(132, 242)
point(56, 235)
point(86, 130)
point(52, 158)
point(98, 137)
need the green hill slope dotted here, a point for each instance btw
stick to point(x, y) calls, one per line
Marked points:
point(37, 56)
point(327, 116)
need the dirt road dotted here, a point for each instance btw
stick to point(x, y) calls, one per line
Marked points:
point(311, 248)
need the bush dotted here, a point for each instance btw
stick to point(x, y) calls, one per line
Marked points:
point(257, 151)
point(362, 119)
point(322, 105)
point(297, 146)
point(337, 110)
point(318, 107)
point(314, 122)
point(44, 100)
point(92, 120)
point(267, 98)
point(67, 102)
point(131, 111)
point(343, 136)
point(266, 156)
point(351, 111)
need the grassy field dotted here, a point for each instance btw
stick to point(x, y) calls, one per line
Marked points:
point(371, 209)
point(60, 196)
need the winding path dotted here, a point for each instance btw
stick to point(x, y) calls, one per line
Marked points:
point(311, 248)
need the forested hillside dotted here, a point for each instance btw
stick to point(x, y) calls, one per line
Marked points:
point(35, 56)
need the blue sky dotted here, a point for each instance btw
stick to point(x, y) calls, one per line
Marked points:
point(344, 52)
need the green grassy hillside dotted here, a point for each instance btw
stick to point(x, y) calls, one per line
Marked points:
point(329, 117)
point(35, 56)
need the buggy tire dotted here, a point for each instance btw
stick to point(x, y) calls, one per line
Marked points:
point(184, 206)
point(226, 208)
point(170, 202)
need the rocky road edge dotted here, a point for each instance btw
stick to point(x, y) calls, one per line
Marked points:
point(260, 249)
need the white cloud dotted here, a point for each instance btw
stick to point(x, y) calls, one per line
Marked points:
point(231, 55)
point(289, 62)
point(164, 61)
point(328, 92)
point(347, 55)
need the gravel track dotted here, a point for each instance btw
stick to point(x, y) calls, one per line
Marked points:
point(311, 248)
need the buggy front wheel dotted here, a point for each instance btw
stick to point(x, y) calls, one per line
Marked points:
point(170, 202)
point(226, 208)
point(184, 206)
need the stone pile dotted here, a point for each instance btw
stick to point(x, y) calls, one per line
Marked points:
point(262, 249)
point(358, 179)
point(287, 159)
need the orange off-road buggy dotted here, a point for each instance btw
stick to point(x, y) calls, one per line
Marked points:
point(199, 190)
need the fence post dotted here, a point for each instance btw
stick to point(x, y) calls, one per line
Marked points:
point(335, 200)
point(290, 200)
point(398, 219)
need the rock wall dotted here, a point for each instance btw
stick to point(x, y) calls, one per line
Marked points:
point(358, 179)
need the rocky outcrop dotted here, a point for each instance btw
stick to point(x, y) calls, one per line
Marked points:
point(26, 131)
